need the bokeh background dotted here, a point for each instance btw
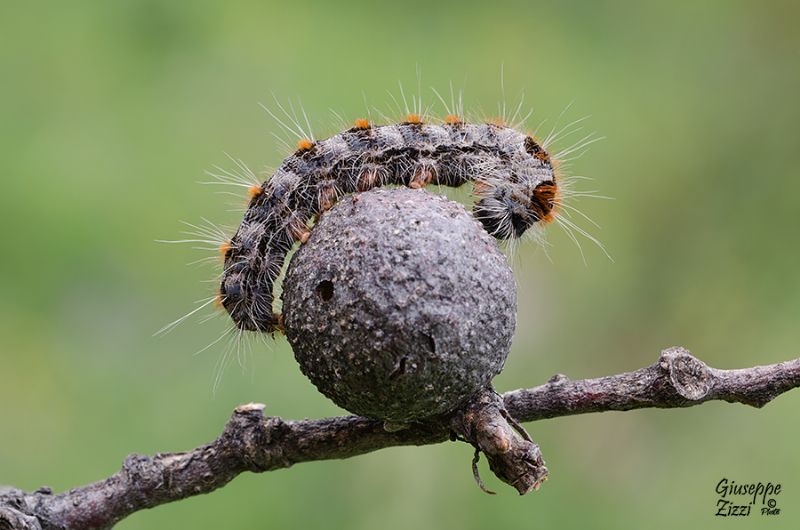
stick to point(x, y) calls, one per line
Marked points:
point(111, 112)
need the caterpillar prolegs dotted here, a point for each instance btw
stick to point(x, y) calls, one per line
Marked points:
point(513, 176)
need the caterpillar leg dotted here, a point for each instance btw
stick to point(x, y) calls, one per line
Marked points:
point(327, 195)
point(278, 319)
point(299, 231)
point(423, 176)
point(301, 234)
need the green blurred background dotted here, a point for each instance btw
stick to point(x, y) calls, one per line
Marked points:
point(112, 111)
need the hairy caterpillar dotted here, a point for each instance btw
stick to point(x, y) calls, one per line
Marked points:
point(513, 175)
point(515, 179)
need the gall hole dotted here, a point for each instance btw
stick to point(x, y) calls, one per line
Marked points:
point(400, 369)
point(325, 290)
point(431, 343)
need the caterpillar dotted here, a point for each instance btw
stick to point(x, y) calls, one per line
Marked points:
point(513, 175)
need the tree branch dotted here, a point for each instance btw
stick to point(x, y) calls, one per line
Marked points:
point(252, 442)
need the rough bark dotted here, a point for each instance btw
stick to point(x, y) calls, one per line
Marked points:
point(252, 442)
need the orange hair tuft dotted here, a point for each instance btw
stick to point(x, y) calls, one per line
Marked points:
point(549, 195)
point(218, 301)
point(304, 145)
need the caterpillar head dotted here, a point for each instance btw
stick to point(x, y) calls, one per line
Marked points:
point(508, 212)
point(509, 206)
point(508, 209)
